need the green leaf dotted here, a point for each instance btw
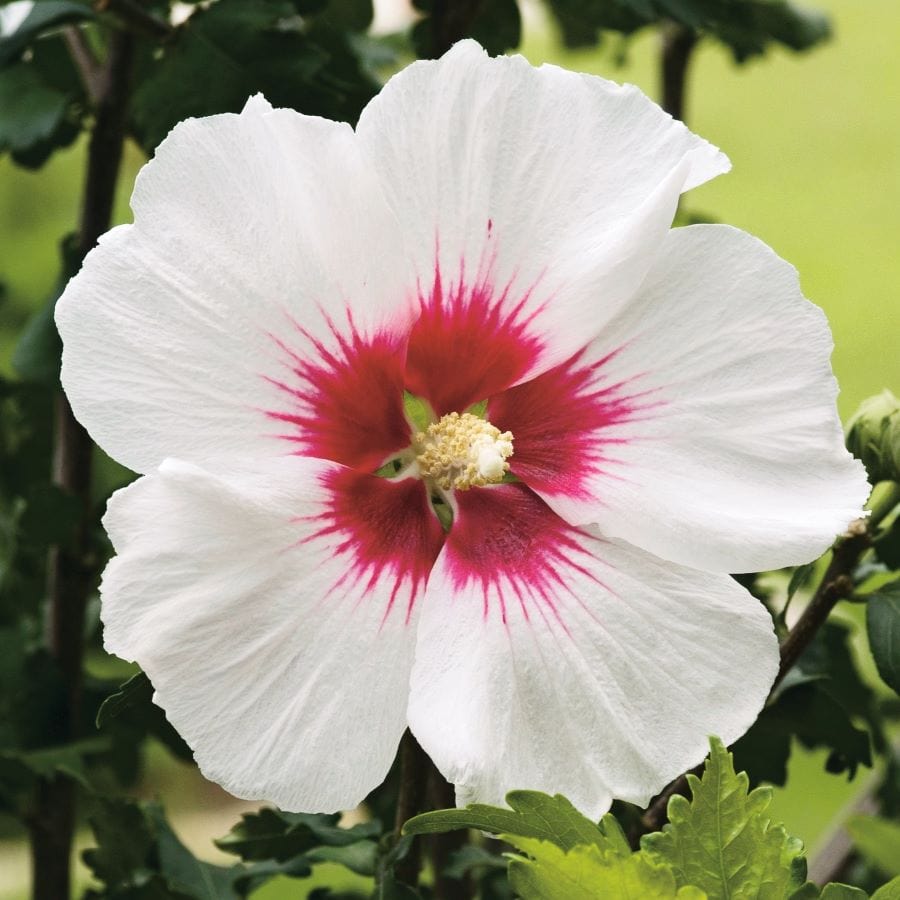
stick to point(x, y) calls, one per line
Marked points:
point(265, 47)
point(887, 545)
point(469, 858)
point(878, 840)
point(272, 834)
point(585, 872)
point(723, 840)
point(835, 891)
point(531, 814)
point(183, 871)
point(495, 24)
point(799, 577)
point(360, 857)
point(131, 710)
point(883, 626)
point(889, 891)
point(42, 17)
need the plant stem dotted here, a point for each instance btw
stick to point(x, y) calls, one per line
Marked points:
point(442, 846)
point(411, 799)
point(836, 584)
point(70, 576)
point(678, 43)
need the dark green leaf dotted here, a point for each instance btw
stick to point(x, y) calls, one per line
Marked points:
point(132, 712)
point(471, 857)
point(808, 712)
point(883, 625)
point(360, 857)
point(232, 50)
point(42, 17)
point(125, 842)
point(531, 814)
point(723, 840)
point(887, 545)
point(272, 834)
point(183, 871)
point(799, 577)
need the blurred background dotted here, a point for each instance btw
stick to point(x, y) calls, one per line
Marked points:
point(814, 139)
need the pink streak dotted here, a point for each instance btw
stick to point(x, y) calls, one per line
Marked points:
point(386, 532)
point(566, 425)
point(470, 341)
point(507, 545)
point(344, 400)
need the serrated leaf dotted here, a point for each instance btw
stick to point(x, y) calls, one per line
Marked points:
point(883, 626)
point(878, 840)
point(131, 710)
point(723, 841)
point(889, 891)
point(585, 872)
point(183, 871)
point(272, 834)
point(531, 814)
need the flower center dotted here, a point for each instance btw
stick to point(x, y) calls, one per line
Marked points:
point(461, 451)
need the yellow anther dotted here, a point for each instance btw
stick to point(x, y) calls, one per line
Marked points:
point(461, 451)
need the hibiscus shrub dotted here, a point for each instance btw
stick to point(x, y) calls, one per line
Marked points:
point(442, 430)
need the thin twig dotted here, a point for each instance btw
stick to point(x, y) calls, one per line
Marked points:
point(87, 64)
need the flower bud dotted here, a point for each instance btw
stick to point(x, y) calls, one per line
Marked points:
point(873, 436)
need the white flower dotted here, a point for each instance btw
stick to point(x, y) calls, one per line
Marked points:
point(490, 232)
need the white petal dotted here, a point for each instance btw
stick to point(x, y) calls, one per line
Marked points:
point(558, 661)
point(250, 232)
point(279, 645)
point(556, 185)
point(717, 442)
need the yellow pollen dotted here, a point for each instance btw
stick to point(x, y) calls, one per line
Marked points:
point(462, 451)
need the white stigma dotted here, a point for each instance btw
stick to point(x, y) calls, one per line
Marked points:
point(462, 451)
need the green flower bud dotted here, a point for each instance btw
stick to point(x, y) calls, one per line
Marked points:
point(873, 436)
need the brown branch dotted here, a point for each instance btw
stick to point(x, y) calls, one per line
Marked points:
point(411, 800)
point(442, 846)
point(70, 575)
point(678, 43)
point(836, 584)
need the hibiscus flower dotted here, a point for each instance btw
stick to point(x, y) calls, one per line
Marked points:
point(441, 425)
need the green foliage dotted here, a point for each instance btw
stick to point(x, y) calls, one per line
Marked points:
point(586, 872)
point(302, 62)
point(723, 842)
point(272, 834)
point(817, 704)
point(139, 856)
point(42, 17)
point(878, 841)
point(883, 625)
point(747, 27)
point(495, 24)
point(41, 98)
point(531, 815)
